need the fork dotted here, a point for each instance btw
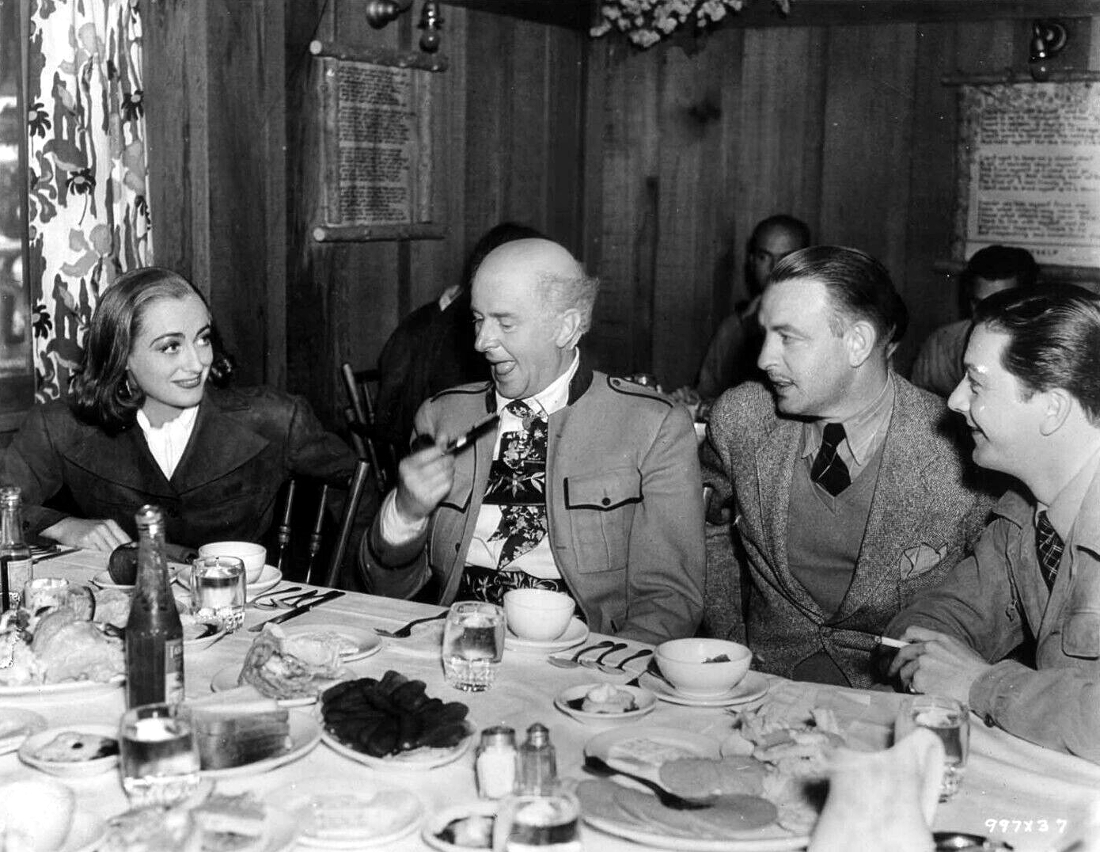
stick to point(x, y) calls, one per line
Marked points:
point(406, 631)
point(288, 598)
point(597, 766)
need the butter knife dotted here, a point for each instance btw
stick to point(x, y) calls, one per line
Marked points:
point(298, 610)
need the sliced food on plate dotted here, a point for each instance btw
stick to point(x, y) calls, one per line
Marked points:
point(290, 667)
point(238, 728)
point(392, 717)
point(221, 823)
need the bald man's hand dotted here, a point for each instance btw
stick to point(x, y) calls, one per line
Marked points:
point(424, 478)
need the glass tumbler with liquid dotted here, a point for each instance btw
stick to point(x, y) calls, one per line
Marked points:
point(159, 761)
point(949, 720)
point(218, 591)
point(473, 645)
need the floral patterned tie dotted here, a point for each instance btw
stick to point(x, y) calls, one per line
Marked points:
point(517, 483)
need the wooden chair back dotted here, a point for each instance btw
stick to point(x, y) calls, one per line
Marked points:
point(360, 416)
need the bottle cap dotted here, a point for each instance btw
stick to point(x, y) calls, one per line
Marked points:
point(149, 515)
point(10, 494)
point(498, 735)
point(538, 735)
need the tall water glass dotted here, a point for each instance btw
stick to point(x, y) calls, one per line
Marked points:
point(158, 757)
point(949, 720)
point(473, 645)
point(218, 591)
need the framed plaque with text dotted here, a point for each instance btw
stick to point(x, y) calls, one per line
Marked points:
point(1029, 170)
point(376, 145)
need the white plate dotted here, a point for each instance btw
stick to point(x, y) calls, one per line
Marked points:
point(574, 634)
point(226, 679)
point(269, 578)
point(104, 581)
point(644, 701)
point(77, 688)
point(69, 768)
point(355, 644)
point(648, 837)
point(438, 821)
point(751, 687)
point(305, 733)
point(86, 832)
point(16, 725)
point(421, 758)
point(304, 801)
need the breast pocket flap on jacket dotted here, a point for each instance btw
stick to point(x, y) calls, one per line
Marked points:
point(603, 490)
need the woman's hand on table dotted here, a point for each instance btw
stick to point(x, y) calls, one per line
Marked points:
point(934, 662)
point(104, 535)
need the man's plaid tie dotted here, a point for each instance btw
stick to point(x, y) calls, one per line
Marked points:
point(517, 483)
point(1049, 546)
point(829, 470)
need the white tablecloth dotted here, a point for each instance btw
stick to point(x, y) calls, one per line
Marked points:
point(1007, 779)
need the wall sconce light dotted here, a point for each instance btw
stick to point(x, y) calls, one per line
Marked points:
point(431, 21)
point(381, 12)
point(1048, 38)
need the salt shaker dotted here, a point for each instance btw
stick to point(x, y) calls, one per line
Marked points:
point(496, 762)
point(538, 765)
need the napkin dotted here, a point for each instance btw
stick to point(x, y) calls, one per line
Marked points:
point(882, 800)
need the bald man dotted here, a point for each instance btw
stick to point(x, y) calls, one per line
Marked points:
point(588, 485)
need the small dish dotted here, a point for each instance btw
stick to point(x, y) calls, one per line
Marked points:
point(569, 702)
point(75, 764)
point(751, 687)
point(227, 678)
point(197, 635)
point(418, 759)
point(367, 815)
point(574, 634)
point(16, 725)
point(355, 643)
point(435, 829)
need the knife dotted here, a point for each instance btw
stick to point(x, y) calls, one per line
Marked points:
point(298, 610)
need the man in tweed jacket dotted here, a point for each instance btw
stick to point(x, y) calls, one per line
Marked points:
point(839, 527)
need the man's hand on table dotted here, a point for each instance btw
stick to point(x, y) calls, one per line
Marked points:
point(934, 662)
point(102, 535)
point(424, 479)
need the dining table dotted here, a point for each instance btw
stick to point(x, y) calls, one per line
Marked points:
point(1030, 797)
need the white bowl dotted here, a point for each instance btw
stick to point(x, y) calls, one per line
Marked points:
point(685, 663)
point(538, 614)
point(252, 555)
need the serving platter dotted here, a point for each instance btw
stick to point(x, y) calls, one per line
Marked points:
point(227, 678)
point(417, 759)
point(75, 688)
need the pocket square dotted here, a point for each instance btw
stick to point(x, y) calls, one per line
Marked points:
point(920, 559)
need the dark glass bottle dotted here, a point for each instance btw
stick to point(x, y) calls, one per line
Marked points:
point(16, 566)
point(154, 636)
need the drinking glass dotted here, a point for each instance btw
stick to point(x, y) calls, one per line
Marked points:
point(218, 591)
point(473, 644)
point(158, 758)
point(949, 720)
point(550, 822)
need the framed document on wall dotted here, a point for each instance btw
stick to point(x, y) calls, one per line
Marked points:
point(376, 145)
point(1029, 170)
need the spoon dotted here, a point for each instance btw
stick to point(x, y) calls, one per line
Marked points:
point(598, 662)
point(572, 663)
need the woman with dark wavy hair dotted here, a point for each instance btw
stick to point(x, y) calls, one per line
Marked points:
point(148, 420)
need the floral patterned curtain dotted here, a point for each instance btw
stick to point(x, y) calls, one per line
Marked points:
point(89, 217)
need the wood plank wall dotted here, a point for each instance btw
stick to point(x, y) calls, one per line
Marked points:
point(508, 136)
point(846, 126)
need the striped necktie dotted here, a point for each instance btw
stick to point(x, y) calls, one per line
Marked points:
point(1049, 546)
point(829, 470)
